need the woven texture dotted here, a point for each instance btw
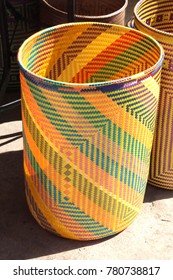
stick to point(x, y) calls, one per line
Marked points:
point(156, 19)
point(53, 12)
point(20, 30)
point(87, 132)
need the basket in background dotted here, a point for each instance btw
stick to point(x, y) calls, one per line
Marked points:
point(155, 18)
point(53, 12)
point(22, 20)
point(89, 100)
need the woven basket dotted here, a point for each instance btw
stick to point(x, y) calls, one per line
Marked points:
point(155, 18)
point(19, 30)
point(53, 12)
point(89, 102)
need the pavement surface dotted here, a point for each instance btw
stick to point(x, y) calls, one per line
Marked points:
point(150, 236)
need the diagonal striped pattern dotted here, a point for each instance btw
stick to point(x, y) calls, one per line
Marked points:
point(87, 145)
point(156, 19)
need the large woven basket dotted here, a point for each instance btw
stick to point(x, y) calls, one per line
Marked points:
point(89, 102)
point(156, 19)
point(53, 12)
point(22, 22)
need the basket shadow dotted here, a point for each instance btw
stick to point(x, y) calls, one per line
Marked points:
point(154, 193)
point(20, 235)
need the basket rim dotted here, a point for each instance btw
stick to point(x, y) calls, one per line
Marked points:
point(136, 16)
point(90, 17)
point(131, 78)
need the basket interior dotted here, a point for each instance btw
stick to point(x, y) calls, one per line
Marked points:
point(158, 14)
point(88, 53)
point(89, 7)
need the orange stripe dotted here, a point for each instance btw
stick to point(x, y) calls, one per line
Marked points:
point(56, 210)
point(46, 211)
point(59, 49)
point(109, 109)
point(53, 137)
point(113, 112)
point(140, 62)
point(116, 48)
point(108, 181)
point(77, 196)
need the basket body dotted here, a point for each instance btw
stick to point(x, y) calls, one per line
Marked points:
point(18, 30)
point(88, 126)
point(156, 19)
point(53, 12)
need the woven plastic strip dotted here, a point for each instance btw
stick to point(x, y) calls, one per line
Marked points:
point(89, 102)
point(53, 12)
point(156, 19)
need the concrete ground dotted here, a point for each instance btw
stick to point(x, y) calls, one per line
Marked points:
point(149, 237)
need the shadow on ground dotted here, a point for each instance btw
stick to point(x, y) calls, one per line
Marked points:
point(154, 193)
point(14, 111)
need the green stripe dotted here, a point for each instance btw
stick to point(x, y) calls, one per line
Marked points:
point(72, 135)
point(124, 59)
point(115, 136)
point(107, 164)
point(79, 216)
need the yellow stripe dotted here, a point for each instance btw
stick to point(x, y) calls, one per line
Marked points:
point(111, 181)
point(89, 53)
point(28, 48)
point(106, 218)
point(152, 86)
point(57, 49)
point(53, 221)
point(115, 112)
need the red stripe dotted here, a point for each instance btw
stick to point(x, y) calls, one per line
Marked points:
point(116, 48)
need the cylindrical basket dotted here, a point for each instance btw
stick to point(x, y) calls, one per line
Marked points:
point(22, 22)
point(155, 18)
point(53, 12)
point(89, 102)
